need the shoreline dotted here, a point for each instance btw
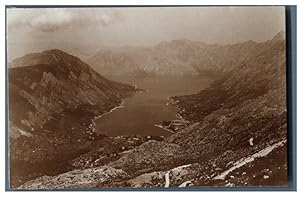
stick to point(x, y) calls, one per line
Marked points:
point(110, 111)
point(118, 106)
point(160, 126)
point(178, 116)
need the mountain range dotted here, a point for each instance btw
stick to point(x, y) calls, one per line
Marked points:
point(236, 136)
point(177, 57)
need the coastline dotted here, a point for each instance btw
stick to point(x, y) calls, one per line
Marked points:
point(110, 111)
point(118, 106)
point(92, 126)
point(179, 117)
point(160, 126)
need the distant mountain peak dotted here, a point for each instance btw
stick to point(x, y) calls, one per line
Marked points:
point(57, 51)
point(44, 57)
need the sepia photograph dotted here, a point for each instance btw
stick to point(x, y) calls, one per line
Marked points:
point(156, 98)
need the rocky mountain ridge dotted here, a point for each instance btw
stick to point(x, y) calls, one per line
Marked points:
point(177, 57)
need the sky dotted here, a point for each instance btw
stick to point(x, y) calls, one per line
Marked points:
point(86, 30)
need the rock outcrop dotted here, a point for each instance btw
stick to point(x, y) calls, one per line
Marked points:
point(77, 179)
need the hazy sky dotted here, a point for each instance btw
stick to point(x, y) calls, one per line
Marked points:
point(89, 29)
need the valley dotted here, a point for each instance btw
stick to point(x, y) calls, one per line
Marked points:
point(104, 127)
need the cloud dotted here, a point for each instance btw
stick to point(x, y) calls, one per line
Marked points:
point(55, 19)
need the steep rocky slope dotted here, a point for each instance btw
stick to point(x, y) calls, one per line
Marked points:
point(234, 122)
point(53, 99)
point(237, 134)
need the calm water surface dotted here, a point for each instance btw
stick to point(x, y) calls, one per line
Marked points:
point(140, 112)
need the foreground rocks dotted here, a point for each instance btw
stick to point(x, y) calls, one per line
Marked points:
point(77, 179)
point(253, 170)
